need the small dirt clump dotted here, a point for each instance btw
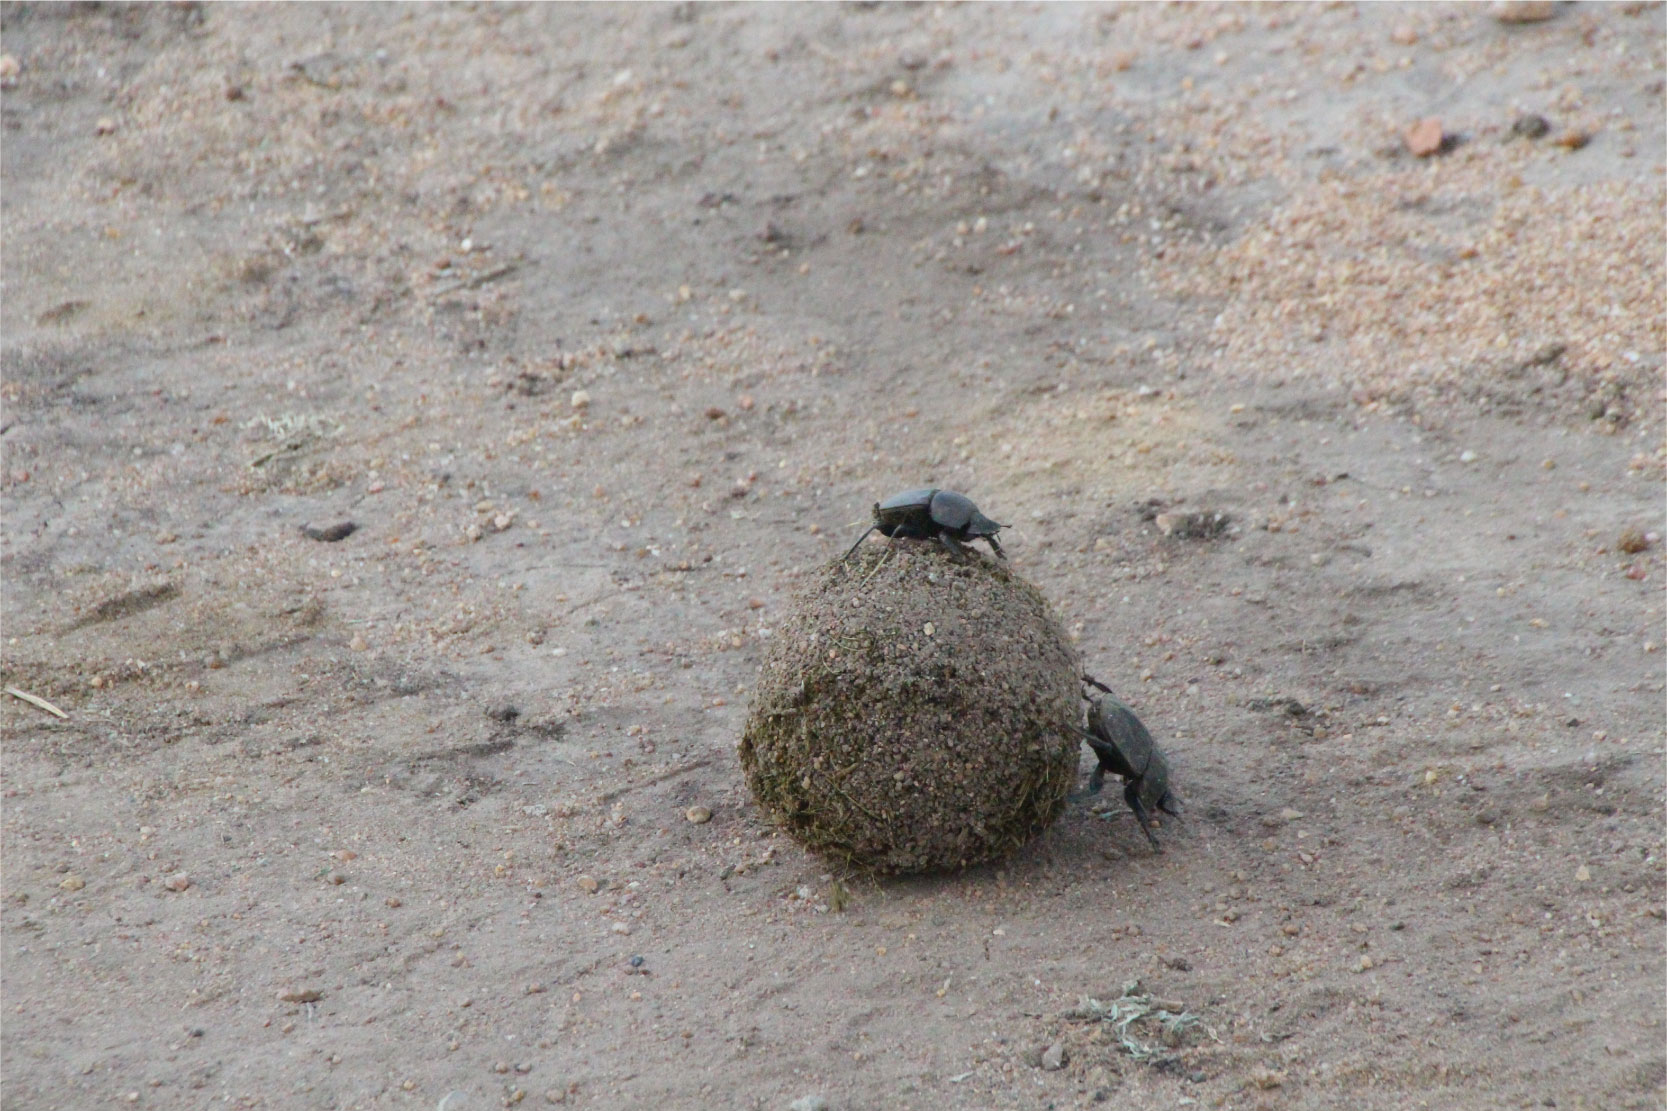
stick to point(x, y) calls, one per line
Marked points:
point(916, 712)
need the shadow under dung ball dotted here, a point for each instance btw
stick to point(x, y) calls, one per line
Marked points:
point(915, 712)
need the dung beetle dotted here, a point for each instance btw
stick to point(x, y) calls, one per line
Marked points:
point(925, 514)
point(1126, 749)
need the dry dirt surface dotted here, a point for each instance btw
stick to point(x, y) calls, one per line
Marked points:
point(605, 326)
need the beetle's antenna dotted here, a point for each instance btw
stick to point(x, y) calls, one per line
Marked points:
point(858, 544)
point(1093, 682)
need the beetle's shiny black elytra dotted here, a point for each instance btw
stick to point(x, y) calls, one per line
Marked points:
point(1126, 749)
point(931, 513)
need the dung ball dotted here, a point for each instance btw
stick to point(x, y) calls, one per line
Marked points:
point(915, 712)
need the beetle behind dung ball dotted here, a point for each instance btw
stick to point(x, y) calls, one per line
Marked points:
point(930, 513)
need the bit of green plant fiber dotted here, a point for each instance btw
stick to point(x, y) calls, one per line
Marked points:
point(1134, 1007)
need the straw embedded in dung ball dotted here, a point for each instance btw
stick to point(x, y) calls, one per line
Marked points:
point(916, 712)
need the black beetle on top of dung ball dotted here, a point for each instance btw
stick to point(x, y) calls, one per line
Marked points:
point(930, 513)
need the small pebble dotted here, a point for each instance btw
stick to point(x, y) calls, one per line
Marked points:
point(1531, 126)
point(588, 884)
point(809, 1103)
point(1632, 541)
point(699, 815)
point(1054, 1057)
point(1425, 137)
point(72, 882)
point(305, 995)
point(1583, 873)
point(580, 399)
point(329, 534)
point(1523, 11)
point(179, 881)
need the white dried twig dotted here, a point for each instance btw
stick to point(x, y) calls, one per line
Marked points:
point(36, 700)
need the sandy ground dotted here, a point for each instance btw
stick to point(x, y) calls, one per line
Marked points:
point(605, 325)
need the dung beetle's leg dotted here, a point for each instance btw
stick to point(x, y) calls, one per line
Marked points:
point(956, 548)
point(1093, 682)
point(995, 546)
point(858, 544)
point(1131, 795)
point(1095, 781)
point(885, 558)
